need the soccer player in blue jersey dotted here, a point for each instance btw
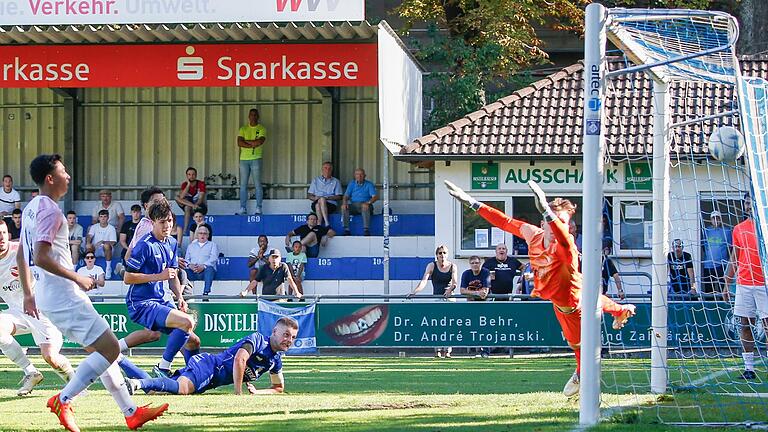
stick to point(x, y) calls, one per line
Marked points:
point(153, 261)
point(245, 361)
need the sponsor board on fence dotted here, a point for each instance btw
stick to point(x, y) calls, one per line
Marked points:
point(38, 12)
point(508, 324)
point(189, 65)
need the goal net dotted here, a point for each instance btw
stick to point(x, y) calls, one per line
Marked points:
point(668, 228)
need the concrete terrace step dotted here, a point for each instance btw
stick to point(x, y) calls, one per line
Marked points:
point(311, 288)
point(348, 268)
point(281, 224)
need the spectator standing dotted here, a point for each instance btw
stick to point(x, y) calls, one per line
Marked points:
point(128, 230)
point(324, 192)
point(101, 240)
point(312, 236)
point(115, 209)
point(609, 271)
point(297, 261)
point(444, 276)
point(503, 270)
point(358, 199)
point(14, 226)
point(525, 286)
point(10, 198)
point(751, 299)
point(250, 139)
point(717, 245)
point(682, 281)
point(258, 257)
point(202, 256)
point(75, 236)
point(91, 270)
point(475, 285)
point(192, 195)
point(573, 230)
point(273, 277)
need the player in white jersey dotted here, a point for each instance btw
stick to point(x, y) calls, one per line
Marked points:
point(14, 322)
point(59, 293)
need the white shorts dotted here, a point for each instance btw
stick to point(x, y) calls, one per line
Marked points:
point(42, 330)
point(79, 323)
point(751, 302)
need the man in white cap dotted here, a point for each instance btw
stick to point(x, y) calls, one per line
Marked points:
point(717, 245)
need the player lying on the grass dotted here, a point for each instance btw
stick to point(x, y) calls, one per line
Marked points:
point(14, 322)
point(59, 293)
point(153, 261)
point(555, 263)
point(245, 361)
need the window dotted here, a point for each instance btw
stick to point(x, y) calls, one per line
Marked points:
point(635, 220)
point(476, 232)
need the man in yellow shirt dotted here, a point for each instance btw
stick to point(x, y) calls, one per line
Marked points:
point(250, 138)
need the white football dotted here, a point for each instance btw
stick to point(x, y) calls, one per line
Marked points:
point(726, 144)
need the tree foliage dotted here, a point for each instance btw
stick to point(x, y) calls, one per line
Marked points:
point(485, 43)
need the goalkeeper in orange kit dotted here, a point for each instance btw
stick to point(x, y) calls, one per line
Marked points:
point(555, 263)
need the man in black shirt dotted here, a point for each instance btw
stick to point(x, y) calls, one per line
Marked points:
point(610, 271)
point(129, 228)
point(503, 270)
point(312, 236)
point(681, 278)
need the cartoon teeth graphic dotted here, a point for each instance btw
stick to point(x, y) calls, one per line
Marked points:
point(361, 327)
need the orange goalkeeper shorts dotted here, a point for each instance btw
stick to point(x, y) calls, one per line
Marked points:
point(571, 325)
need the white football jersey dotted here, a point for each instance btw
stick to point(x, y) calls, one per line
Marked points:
point(10, 287)
point(43, 221)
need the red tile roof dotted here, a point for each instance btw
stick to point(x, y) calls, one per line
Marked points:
point(544, 120)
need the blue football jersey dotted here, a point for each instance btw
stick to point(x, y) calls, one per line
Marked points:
point(151, 256)
point(262, 360)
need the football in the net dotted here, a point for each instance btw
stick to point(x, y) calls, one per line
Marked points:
point(726, 144)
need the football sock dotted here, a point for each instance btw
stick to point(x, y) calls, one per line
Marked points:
point(577, 352)
point(188, 354)
point(176, 340)
point(749, 360)
point(91, 368)
point(11, 348)
point(166, 385)
point(115, 385)
point(130, 369)
point(123, 345)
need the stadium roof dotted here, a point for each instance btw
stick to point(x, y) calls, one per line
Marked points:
point(545, 119)
point(186, 33)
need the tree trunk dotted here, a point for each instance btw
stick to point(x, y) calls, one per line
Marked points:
point(753, 25)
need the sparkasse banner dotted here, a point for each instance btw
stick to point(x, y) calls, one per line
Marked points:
point(41, 12)
point(183, 65)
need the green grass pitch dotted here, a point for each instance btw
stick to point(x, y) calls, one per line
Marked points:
point(382, 393)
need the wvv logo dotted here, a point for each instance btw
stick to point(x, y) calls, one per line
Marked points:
point(312, 5)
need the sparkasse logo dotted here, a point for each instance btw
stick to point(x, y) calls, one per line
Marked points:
point(189, 68)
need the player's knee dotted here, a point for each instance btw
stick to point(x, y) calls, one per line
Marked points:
point(152, 336)
point(193, 342)
point(187, 324)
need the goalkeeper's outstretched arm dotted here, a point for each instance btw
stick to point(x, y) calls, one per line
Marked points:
point(488, 213)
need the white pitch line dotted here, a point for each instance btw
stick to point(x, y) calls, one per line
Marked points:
point(711, 376)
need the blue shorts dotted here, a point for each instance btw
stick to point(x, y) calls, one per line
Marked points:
point(199, 370)
point(152, 314)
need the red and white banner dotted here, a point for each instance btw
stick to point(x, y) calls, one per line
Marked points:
point(40, 12)
point(205, 65)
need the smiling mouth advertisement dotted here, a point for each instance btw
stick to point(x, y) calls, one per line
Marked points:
point(360, 327)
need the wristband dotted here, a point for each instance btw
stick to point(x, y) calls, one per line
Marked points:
point(474, 204)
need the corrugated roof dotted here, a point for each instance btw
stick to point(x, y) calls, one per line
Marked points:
point(192, 33)
point(545, 119)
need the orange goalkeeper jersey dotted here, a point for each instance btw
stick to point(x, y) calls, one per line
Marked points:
point(556, 268)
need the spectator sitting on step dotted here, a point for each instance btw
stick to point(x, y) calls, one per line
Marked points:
point(311, 235)
point(76, 245)
point(258, 257)
point(191, 196)
point(324, 192)
point(297, 261)
point(198, 218)
point(101, 240)
point(359, 199)
point(94, 272)
point(14, 226)
point(128, 230)
point(115, 211)
point(202, 256)
point(10, 199)
point(273, 277)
